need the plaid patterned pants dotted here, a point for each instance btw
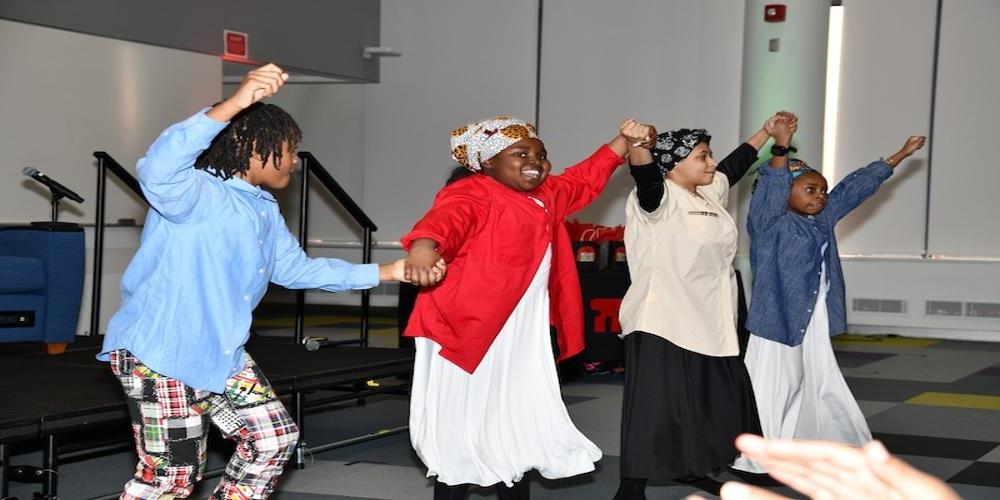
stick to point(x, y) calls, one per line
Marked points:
point(170, 424)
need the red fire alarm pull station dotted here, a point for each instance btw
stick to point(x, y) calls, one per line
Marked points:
point(774, 13)
point(235, 45)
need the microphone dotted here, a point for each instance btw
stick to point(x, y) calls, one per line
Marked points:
point(56, 188)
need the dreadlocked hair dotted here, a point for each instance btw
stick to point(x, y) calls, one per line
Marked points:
point(260, 128)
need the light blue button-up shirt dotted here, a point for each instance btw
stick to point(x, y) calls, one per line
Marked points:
point(208, 251)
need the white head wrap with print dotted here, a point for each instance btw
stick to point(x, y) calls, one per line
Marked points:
point(478, 142)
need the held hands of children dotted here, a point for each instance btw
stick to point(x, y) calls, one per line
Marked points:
point(423, 266)
point(256, 85)
point(396, 271)
point(766, 132)
point(782, 126)
point(637, 134)
point(639, 150)
point(632, 134)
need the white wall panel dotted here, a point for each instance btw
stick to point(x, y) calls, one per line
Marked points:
point(885, 94)
point(673, 63)
point(966, 178)
point(462, 61)
point(65, 95)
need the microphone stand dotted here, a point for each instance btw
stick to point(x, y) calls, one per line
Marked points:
point(55, 197)
point(54, 224)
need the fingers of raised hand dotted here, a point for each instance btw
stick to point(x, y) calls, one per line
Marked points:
point(271, 70)
point(645, 132)
point(260, 87)
point(637, 133)
point(770, 123)
point(625, 123)
point(265, 81)
point(787, 115)
point(650, 140)
point(270, 67)
point(645, 136)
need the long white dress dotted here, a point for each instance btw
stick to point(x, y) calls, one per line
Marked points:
point(507, 417)
point(800, 391)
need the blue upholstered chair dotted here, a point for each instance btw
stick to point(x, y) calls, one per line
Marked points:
point(41, 284)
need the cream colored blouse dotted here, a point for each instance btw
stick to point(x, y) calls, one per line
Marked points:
point(680, 260)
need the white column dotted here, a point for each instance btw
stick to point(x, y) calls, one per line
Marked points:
point(784, 68)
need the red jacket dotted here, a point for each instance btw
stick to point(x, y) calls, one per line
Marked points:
point(493, 239)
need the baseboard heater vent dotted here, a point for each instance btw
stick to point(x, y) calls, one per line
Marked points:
point(944, 308)
point(879, 306)
point(982, 310)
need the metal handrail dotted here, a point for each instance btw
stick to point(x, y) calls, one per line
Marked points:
point(310, 165)
point(105, 163)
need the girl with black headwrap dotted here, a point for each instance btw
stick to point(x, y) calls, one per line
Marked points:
point(687, 393)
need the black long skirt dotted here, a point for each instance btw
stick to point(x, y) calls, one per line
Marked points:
point(682, 410)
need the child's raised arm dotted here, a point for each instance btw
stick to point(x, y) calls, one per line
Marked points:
point(854, 189)
point(770, 198)
point(640, 138)
point(913, 143)
point(582, 183)
point(166, 172)
point(646, 173)
point(736, 164)
point(782, 129)
point(256, 85)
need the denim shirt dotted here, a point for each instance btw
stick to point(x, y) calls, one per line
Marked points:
point(208, 250)
point(785, 253)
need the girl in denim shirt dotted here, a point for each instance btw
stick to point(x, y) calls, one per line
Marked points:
point(798, 299)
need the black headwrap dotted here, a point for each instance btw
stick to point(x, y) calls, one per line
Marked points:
point(672, 147)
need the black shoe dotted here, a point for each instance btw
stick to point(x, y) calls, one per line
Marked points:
point(444, 492)
point(701, 482)
point(631, 489)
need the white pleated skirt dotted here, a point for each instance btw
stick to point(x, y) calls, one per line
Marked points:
point(801, 392)
point(507, 417)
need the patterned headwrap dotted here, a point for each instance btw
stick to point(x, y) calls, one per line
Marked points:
point(672, 147)
point(796, 167)
point(478, 142)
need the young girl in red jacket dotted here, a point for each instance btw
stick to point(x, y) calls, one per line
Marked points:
point(485, 406)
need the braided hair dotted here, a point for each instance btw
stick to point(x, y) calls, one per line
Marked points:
point(261, 128)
